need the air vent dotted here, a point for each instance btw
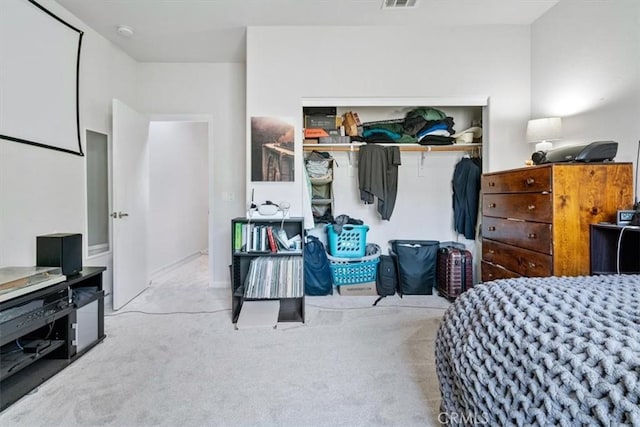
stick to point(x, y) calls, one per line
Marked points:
point(398, 4)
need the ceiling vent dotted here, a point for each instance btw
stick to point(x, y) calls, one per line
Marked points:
point(398, 4)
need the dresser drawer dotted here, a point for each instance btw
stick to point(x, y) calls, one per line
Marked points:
point(530, 180)
point(522, 261)
point(529, 235)
point(493, 272)
point(527, 206)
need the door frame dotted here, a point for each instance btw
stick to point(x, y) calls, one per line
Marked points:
point(208, 119)
point(85, 245)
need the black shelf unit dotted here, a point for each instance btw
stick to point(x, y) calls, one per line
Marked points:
point(291, 309)
point(21, 370)
point(605, 239)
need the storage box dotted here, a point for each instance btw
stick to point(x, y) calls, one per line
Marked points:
point(323, 121)
point(335, 139)
point(360, 289)
point(320, 133)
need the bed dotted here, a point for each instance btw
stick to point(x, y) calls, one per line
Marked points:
point(556, 351)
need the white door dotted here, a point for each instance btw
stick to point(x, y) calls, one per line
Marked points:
point(130, 203)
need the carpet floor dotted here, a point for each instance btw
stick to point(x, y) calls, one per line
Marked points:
point(349, 364)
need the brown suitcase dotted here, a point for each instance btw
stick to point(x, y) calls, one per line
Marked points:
point(454, 272)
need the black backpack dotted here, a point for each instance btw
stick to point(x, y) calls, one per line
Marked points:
point(317, 271)
point(387, 277)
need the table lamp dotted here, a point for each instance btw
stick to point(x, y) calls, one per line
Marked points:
point(543, 131)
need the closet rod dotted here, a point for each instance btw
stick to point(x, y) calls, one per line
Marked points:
point(472, 147)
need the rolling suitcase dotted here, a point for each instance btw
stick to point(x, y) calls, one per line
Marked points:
point(454, 272)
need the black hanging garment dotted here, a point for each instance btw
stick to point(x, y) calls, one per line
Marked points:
point(378, 176)
point(466, 194)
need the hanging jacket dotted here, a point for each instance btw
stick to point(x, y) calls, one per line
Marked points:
point(466, 195)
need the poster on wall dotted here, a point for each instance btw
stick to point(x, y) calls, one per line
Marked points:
point(40, 57)
point(272, 153)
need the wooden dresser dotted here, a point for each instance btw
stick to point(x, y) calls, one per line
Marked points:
point(535, 220)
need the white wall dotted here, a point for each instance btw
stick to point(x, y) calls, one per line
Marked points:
point(217, 90)
point(43, 191)
point(287, 64)
point(178, 192)
point(585, 60)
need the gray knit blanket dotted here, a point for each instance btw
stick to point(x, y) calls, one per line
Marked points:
point(558, 351)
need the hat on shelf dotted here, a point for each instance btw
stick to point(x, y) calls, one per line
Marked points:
point(475, 132)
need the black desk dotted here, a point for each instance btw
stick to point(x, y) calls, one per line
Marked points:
point(615, 249)
point(68, 333)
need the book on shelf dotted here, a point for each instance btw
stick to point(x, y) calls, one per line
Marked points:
point(262, 238)
point(275, 277)
point(272, 241)
point(237, 236)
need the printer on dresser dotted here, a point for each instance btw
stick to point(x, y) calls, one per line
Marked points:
point(535, 220)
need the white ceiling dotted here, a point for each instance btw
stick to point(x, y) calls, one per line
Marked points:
point(214, 30)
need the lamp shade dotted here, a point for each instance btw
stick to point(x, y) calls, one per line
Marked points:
point(544, 130)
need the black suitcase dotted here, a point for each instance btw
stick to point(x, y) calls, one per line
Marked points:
point(454, 272)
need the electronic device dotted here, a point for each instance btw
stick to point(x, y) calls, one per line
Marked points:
point(598, 151)
point(22, 316)
point(62, 250)
point(624, 217)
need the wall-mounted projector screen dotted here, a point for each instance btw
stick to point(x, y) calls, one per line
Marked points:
point(39, 65)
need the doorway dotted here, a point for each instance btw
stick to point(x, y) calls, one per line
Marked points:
point(178, 193)
point(132, 264)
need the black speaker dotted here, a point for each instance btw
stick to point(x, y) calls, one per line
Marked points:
point(62, 250)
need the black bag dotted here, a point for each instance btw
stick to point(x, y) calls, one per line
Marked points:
point(317, 271)
point(387, 277)
point(416, 264)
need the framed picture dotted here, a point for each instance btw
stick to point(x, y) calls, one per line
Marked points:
point(272, 149)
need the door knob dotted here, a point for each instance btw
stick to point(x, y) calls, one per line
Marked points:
point(119, 214)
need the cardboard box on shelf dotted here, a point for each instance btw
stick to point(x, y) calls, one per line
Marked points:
point(319, 133)
point(359, 289)
point(323, 121)
point(311, 141)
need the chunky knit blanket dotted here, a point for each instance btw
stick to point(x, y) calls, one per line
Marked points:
point(558, 351)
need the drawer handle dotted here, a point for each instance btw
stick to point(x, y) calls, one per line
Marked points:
point(492, 228)
point(492, 205)
point(532, 264)
point(531, 207)
point(530, 181)
point(532, 235)
point(492, 184)
point(491, 251)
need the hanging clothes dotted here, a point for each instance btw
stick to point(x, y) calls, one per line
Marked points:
point(466, 194)
point(378, 176)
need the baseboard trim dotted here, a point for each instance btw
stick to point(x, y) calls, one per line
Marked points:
point(174, 265)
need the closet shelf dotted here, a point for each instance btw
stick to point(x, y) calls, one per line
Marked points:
point(473, 147)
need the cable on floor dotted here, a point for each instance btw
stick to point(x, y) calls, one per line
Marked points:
point(381, 306)
point(167, 312)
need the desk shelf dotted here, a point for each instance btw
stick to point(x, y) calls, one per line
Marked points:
point(604, 242)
